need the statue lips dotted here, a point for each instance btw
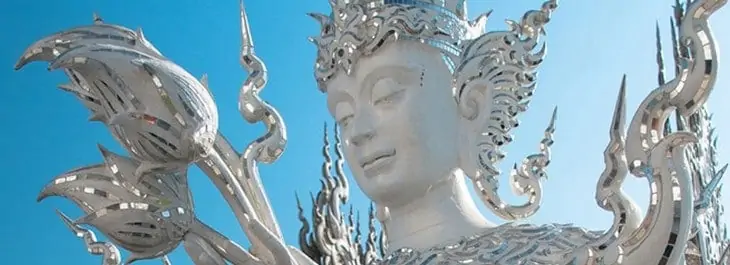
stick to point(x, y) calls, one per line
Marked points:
point(377, 162)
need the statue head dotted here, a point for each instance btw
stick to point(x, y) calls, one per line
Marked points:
point(398, 121)
point(420, 92)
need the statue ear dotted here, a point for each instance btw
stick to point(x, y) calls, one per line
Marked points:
point(491, 85)
point(473, 105)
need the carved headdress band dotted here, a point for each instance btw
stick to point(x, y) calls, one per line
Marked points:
point(359, 27)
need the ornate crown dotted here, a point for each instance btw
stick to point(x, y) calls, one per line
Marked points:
point(359, 27)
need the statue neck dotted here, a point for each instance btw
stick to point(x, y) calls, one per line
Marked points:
point(445, 213)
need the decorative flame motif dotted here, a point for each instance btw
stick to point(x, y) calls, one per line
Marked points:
point(709, 233)
point(158, 112)
point(665, 158)
point(236, 175)
point(147, 215)
point(504, 63)
point(142, 203)
point(112, 69)
point(336, 239)
point(358, 28)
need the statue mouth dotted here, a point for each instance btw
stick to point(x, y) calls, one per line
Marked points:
point(377, 160)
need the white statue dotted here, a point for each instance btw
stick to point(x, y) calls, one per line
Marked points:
point(424, 101)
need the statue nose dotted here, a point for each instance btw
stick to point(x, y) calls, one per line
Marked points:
point(363, 129)
point(361, 138)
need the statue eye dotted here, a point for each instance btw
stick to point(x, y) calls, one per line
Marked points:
point(390, 98)
point(386, 90)
point(343, 114)
point(344, 121)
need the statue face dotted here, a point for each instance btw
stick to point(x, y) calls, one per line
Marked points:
point(399, 121)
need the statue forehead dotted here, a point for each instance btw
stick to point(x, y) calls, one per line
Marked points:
point(398, 54)
point(401, 52)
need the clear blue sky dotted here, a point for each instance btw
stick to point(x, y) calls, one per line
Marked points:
point(45, 132)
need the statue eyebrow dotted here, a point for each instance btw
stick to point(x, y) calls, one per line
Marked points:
point(336, 96)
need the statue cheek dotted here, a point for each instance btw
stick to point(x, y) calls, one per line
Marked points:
point(349, 152)
point(467, 148)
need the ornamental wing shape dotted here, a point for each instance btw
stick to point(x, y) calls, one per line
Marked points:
point(156, 110)
point(147, 215)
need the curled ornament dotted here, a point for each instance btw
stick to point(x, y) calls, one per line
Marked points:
point(236, 175)
point(109, 252)
point(330, 239)
point(269, 147)
point(493, 85)
point(663, 233)
point(609, 194)
point(334, 236)
point(159, 113)
point(686, 92)
point(147, 215)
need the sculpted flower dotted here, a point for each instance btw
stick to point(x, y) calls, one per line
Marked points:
point(159, 112)
point(147, 215)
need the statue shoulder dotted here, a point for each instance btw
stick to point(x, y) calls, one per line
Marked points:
point(510, 243)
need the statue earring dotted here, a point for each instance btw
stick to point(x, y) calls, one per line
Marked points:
point(382, 213)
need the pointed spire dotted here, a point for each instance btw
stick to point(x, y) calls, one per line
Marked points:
point(678, 53)
point(98, 117)
point(327, 177)
point(325, 135)
point(553, 118)
point(705, 198)
point(97, 19)
point(675, 46)
point(619, 113)
point(68, 222)
point(659, 58)
point(661, 78)
point(204, 81)
point(679, 13)
point(67, 87)
point(322, 19)
point(246, 40)
point(481, 21)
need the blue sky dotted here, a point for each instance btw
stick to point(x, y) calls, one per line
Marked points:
point(45, 132)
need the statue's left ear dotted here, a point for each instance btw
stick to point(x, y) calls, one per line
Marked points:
point(491, 85)
point(473, 105)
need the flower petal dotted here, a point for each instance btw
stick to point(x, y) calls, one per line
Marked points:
point(91, 188)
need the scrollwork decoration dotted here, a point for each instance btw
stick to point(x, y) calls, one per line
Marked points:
point(502, 65)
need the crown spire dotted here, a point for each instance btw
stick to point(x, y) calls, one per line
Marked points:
point(246, 40)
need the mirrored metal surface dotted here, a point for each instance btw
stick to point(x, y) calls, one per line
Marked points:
point(166, 120)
